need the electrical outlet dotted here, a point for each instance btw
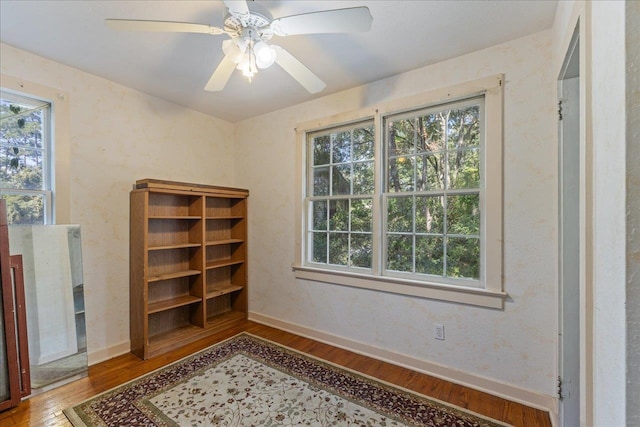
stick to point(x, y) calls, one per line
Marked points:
point(438, 330)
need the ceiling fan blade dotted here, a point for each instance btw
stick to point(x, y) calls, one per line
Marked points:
point(298, 71)
point(237, 7)
point(221, 75)
point(329, 21)
point(162, 26)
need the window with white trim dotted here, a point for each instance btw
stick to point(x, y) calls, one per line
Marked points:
point(407, 197)
point(25, 158)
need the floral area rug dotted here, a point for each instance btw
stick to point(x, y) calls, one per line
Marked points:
point(248, 381)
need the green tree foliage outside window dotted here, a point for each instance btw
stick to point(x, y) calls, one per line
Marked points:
point(433, 191)
point(23, 158)
point(341, 189)
point(428, 220)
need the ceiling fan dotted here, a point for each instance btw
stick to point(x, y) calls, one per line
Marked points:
point(248, 48)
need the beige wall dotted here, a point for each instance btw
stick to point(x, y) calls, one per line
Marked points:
point(514, 347)
point(117, 136)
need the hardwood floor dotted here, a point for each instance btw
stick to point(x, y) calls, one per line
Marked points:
point(46, 409)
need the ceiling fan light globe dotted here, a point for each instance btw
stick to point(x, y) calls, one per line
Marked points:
point(244, 63)
point(265, 55)
point(248, 73)
point(232, 51)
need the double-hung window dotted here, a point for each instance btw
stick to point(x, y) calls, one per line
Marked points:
point(407, 197)
point(25, 158)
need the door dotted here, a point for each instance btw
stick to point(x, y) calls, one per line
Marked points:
point(569, 226)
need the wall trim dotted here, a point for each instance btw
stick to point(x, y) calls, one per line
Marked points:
point(496, 388)
point(110, 352)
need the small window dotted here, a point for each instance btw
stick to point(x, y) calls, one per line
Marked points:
point(25, 158)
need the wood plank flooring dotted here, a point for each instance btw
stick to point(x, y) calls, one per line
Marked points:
point(46, 409)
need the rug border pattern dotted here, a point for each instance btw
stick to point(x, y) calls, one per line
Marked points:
point(323, 374)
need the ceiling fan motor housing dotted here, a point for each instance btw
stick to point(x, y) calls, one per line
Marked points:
point(252, 26)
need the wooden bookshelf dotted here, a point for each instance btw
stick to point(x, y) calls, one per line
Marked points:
point(188, 263)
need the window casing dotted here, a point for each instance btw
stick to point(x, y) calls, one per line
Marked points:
point(25, 158)
point(436, 205)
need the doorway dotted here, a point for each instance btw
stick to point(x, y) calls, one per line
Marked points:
point(570, 192)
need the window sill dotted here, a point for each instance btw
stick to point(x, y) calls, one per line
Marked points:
point(456, 294)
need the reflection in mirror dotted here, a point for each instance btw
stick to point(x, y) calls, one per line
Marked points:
point(54, 293)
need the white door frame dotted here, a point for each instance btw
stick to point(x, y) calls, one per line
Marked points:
point(570, 238)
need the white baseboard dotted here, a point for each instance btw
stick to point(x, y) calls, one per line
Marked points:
point(496, 388)
point(101, 355)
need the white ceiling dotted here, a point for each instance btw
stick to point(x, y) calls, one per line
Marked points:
point(405, 35)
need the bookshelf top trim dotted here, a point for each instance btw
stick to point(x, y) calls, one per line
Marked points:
point(190, 188)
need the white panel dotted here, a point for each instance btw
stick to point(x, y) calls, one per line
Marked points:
point(609, 237)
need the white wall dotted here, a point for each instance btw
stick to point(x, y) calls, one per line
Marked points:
point(633, 211)
point(515, 346)
point(608, 74)
point(117, 136)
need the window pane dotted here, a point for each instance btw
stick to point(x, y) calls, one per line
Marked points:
point(321, 150)
point(463, 214)
point(341, 177)
point(429, 255)
point(319, 220)
point(361, 245)
point(25, 209)
point(339, 215)
point(464, 169)
point(430, 172)
point(24, 134)
point(463, 128)
point(463, 257)
point(319, 245)
point(400, 138)
point(363, 178)
point(401, 174)
point(21, 168)
point(22, 124)
point(338, 248)
point(321, 181)
point(431, 132)
point(400, 253)
point(361, 214)
point(363, 140)
point(22, 161)
point(430, 215)
point(400, 214)
point(341, 147)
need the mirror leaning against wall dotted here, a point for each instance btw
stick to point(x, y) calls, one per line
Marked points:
point(54, 295)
